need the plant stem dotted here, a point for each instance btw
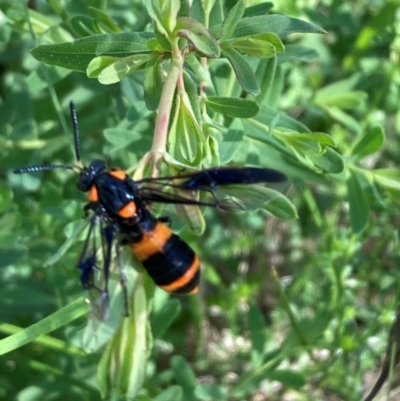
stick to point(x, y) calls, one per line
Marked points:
point(159, 145)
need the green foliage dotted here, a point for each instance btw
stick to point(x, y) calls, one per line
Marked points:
point(297, 308)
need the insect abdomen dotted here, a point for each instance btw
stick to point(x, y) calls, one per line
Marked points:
point(169, 260)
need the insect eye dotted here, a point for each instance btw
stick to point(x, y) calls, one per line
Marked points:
point(85, 181)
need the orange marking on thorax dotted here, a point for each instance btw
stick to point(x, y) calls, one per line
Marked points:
point(185, 278)
point(93, 195)
point(151, 242)
point(119, 174)
point(129, 210)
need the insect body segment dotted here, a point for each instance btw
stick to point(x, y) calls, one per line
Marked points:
point(169, 261)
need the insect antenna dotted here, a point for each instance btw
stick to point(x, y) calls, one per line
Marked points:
point(43, 167)
point(75, 127)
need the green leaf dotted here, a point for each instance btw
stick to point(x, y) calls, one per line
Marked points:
point(118, 70)
point(272, 117)
point(50, 323)
point(259, 196)
point(232, 19)
point(280, 206)
point(359, 208)
point(104, 18)
point(233, 107)
point(168, 13)
point(231, 142)
point(265, 74)
point(162, 319)
point(197, 34)
point(85, 26)
point(370, 142)
point(243, 71)
point(186, 140)
point(330, 97)
point(153, 83)
point(288, 378)
point(78, 54)
point(278, 24)
point(257, 329)
point(258, 9)
point(6, 196)
point(297, 52)
point(154, 11)
point(343, 118)
point(123, 365)
point(184, 376)
point(307, 140)
point(172, 393)
point(192, 92)
point(389, 179)
point(263, 45)
point(329, 162)
point(98, 64)
point(212, 392)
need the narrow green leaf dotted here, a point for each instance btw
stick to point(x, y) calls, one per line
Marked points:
point(78, 54)
point(256, 325)
point(388, 178)
point(198, 35)
point(6, 196)
point(169, 12)
point(104, 18)
point(192, 91)
point(211, 392)
point(278, 24)
point(359, 208)
point(297, 52)
point(344, 118)
point(173, 393)
point(258, 9)
point(153, 9)
point(344, 100)
point(123, 365)
point(281, 207)
point(231, 142)
point(308, 139)
point(233, 17)
point(153, 83)
point(287, 377)
point(50, 323)
point(98, 64)
point(243, 71)
point(370, 142)
point(118, 70)
point(233, 107)
point(162, 319)
point(263, 45)
point(85, 26)
point(265, 75)
point(184, 376)
point(330, 161)
point(46, 341)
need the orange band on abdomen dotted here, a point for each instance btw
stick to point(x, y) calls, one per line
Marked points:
point(185, 278)
point(151, 242)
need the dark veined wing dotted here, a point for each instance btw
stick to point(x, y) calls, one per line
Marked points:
point(225, 187)
point(94, 265)
point(104, 292)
